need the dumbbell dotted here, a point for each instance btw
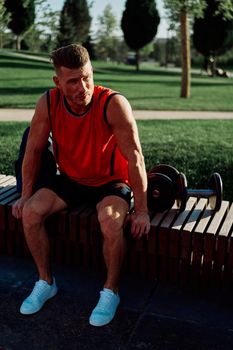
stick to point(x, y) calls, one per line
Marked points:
point(214, 193)
point(162, 187)
point(166, 185)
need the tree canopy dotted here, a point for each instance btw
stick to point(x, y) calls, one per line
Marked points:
point(212, 34)
point(75, 22)
point(106, 41)
point(22, 14)
point(4, 20)
point(139, 23)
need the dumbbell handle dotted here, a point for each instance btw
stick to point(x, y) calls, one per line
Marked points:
point(200, 193)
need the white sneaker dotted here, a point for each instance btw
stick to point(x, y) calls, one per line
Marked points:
point(41, 292)
point(105, 310)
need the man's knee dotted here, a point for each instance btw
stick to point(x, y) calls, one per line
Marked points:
point(32, 214)
point(111, 223)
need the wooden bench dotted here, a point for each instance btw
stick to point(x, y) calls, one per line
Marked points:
point(192, 248)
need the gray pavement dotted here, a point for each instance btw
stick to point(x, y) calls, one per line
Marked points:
point(26, 114)
point(151, 315)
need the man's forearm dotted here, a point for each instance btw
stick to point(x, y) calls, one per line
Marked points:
point(138, 182)
point(30, 170)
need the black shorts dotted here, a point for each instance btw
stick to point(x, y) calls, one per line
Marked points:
point(74, 193)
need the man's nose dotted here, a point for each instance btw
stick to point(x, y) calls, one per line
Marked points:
point(82, 85)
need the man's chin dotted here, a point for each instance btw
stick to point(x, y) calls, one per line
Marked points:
point(81, 101)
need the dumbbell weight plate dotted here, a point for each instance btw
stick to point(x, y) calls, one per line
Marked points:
point(216, 185)
point(181, 196)
point(160, 192)
point(167, 170)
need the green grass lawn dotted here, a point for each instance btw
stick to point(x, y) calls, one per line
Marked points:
point(24, 79)
point(197, 148)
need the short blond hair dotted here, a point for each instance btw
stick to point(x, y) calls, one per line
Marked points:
point(70, 56)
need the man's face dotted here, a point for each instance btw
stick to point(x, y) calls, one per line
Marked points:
point(76, 84)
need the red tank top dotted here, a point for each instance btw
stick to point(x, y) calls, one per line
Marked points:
point(84, 146)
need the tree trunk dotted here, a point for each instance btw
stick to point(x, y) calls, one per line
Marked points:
point(213, 65)
point(18, 43)
point(185, 57)
point(137, 60)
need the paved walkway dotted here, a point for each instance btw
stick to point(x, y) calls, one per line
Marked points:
point(26, 114)
point(151, 316)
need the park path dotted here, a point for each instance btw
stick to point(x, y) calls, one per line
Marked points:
point(26, 115)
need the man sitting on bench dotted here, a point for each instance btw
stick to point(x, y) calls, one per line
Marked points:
point(97, 149)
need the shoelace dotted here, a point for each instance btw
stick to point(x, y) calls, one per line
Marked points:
point(37, 290)
point(104, 302)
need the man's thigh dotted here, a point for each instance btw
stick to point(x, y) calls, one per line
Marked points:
point(69, 191)
point(45, 202)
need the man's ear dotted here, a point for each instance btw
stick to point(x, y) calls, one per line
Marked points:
point(56, 81)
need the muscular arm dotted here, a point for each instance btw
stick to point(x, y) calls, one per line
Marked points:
point(120, 117)
point(37, 141)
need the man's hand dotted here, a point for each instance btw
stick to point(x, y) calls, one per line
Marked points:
point(140, 224)
point(17, 208)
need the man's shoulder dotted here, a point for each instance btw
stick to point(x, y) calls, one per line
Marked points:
point(99, 89)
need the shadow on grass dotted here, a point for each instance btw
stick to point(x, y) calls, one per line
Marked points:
point(22, 58)
point(30, 90)
point(138, 98)
point(22, 62)
point(214, 83)
point(31, 65)
point(31, 78)
point(138, 82)
point(126, 70)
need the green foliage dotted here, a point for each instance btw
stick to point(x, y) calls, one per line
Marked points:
point(22, 15)
point(212, 34)
point(139, 22)
point(226, 8)
point(193, 7)
point(196, 148)
point(75, 22)
point(106, 41)
point(43, 33)
point(4, 16)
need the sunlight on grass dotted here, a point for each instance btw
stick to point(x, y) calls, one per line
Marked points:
point(23, 80)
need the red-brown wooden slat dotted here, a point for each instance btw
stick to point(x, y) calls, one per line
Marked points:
point(84, 235)
point(163, 241)
point(153, 245)
point(62, 224)
point(95, 242)
point(221, 247)
point(230, 261)
point(74, 223)
point(198, 242)
point(186, 242)
point(2, 230)
point(84, 225)
point(209, 243)
point(174, 241)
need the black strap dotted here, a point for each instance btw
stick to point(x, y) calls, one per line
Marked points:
point(106, 105)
